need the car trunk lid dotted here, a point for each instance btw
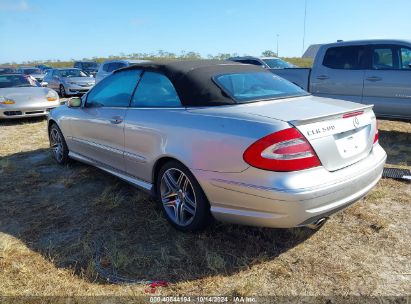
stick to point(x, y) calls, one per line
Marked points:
point(340, 132)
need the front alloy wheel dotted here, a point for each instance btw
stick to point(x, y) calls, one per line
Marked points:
point(182, 199)
point(58, 145)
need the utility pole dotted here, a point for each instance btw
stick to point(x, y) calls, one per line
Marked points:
point(277, 44)
point(305, 19)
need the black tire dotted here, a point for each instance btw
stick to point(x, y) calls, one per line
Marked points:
point(58, 145)
point(202, 215)
point(62, 91)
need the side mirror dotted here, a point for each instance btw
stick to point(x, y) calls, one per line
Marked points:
point(74, 102)
point(409, 65)
point(44, 84)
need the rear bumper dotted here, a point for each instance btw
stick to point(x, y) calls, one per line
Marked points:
point(289, 199)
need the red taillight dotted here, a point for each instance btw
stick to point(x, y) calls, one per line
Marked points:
point(286, 150)
point(376, 133)
point(352, 114)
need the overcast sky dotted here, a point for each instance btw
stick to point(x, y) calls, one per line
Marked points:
point(65, 29)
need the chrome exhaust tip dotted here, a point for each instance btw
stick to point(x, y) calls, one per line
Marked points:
point(317, 224)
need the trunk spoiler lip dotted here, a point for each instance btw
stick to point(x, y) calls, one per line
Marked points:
point(322, 117)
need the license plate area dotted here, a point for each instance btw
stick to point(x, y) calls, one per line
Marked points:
point(353, 142)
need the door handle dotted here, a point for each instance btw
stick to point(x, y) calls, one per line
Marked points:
point(322, 77)
point(116, 120)
point(373, 78)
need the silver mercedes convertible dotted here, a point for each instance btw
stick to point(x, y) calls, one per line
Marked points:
point(223, 140)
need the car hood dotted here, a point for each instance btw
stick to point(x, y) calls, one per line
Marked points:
point(24, 94)
point(81, 80)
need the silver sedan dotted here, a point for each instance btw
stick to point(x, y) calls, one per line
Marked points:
point(22, 96)
point(68, 81)
point(233, 141)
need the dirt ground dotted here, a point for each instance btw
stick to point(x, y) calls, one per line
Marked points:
point(61, 226)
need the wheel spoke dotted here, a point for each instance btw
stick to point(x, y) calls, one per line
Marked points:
point(189, 202)
point(170, 203)
point(53, 136)
point(185, 185)
point(181, 179)
point(180, 213)
point(169, 194)
point(170, 182)
point(188, 208)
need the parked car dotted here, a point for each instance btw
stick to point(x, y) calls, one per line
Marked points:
point(7, 70)
point(265, 62)
point(33, 72)
point(68, 81)
point(43, 68)
point(223, 139)
point(374, 72)
point(21, 96)
point(107, 67)
point(90, 67)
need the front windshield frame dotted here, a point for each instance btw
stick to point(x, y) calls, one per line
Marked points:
point(79, 74)
point(298, 92)
point(26, 81)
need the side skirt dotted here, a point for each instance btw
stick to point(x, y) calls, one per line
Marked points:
point(148, 187)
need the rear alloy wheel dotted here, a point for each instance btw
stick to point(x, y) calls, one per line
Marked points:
point(62, 91)
point(58, 145)
point(182, 199)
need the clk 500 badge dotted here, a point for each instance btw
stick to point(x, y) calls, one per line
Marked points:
point(320, 130)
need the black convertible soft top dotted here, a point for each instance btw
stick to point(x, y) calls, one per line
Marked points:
point(193, 79)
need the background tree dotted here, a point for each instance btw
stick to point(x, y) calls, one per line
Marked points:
point(269, 53)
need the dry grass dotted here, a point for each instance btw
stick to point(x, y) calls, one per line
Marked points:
point(54, 219)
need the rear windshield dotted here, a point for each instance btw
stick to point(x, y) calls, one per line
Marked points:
point(253, 86)
point(13, 81)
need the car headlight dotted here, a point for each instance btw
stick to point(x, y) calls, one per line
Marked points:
point(6, 101)
point(52, 96)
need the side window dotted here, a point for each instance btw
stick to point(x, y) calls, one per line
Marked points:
point(115, 66)
point(106, 67)
point(76, 65)
point(111, 67)
point(155, 90)
point(405, 58)
point(345, 58)
point(114, 91)
point(383, 58)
